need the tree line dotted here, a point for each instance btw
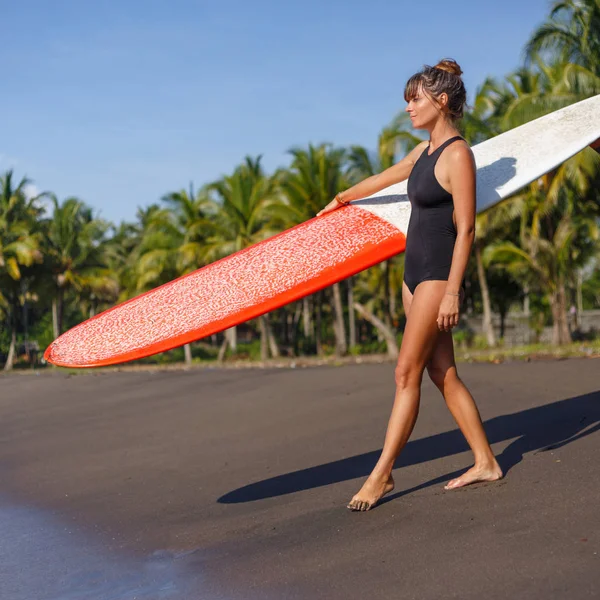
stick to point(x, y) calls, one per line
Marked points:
point(60, 263)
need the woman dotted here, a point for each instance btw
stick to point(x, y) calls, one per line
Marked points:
point(441, 189)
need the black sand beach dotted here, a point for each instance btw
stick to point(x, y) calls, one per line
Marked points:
point(232, 484)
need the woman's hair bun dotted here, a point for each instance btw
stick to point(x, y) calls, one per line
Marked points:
point(444, 78)
point(450, 66)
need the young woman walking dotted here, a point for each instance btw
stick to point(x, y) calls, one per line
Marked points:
point(441, 190)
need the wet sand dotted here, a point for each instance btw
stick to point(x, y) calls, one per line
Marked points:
point(232, 484)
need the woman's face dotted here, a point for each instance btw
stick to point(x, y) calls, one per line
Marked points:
point(423, 111)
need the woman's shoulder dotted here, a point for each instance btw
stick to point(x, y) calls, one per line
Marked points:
point(459, 151)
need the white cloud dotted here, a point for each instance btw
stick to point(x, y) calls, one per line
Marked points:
point(31, 191)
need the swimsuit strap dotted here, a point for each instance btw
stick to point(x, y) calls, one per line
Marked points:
point(442, 146)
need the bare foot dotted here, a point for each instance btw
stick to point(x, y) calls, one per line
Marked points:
point(371, 493)
point(476, 473)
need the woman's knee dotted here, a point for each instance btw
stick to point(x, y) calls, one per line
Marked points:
point(441, 376)
point(407, 374)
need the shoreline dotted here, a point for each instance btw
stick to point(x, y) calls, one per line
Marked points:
point(533, 352)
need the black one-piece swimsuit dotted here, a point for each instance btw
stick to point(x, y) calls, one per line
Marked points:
point(431, 232)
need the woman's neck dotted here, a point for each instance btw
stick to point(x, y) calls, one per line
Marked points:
point(440, 132)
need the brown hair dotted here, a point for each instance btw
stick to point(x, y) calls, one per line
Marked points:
point(445, 77)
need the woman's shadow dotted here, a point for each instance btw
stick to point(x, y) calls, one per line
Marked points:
point(536, 430)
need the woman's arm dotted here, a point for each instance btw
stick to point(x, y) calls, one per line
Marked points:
point(461, 167)
point(394, 174)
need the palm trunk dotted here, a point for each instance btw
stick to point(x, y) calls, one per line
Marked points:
point(306, 321)
point(318, 319)
point(554, 307)
point(264, 347)
point(502, 323)
point(55, 317)
point(338, 325)
point(386, 332)
point(579, 299)
point(351, 314)
point(10, 359)
point(286, 320)
point(294, 330)
point(231, 335)
point(488, 327)
point(273, 346)
point(526, 309)
point(25, 313)
point(223, 349)
point(187, 352)
point(57, 312)
point(560, 325)
point(565, 333)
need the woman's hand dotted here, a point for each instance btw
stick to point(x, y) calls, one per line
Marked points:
point(333, 205)
point(448, 314)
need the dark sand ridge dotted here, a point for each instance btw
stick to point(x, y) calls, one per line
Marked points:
point(251, 470)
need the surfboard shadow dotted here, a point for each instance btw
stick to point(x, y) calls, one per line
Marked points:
point(537, 429)
point(381, 200)
point(489, 178)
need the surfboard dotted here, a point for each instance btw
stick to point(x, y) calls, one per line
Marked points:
point(312, 255)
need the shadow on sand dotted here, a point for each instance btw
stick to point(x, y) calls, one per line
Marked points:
point(536, 430)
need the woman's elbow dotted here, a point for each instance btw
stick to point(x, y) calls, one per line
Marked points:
point(467, 230)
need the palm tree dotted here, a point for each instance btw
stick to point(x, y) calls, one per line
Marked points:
point(119, 249)
point(394, 139)
point(242, 215)
point(572, 34)
point(192, 214)
point(314, 177)
point(194, 227)
point(526, 94)
point(74, 254)
point(368, 302)
point(154, 260)
point(19, 249)
point(490, 226)
point(558, 236)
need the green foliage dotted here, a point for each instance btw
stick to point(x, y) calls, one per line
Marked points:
point(246, 351)
point(538, 240)
point(591, 291)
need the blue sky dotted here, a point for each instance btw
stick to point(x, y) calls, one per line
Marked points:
point(121, 101)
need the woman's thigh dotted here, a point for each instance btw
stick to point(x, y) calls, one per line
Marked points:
point(421, 332)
